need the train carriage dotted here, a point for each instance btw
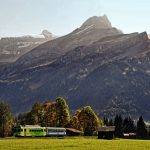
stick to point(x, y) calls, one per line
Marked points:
point(55, 131)
point(30, 131)
point(38, 131)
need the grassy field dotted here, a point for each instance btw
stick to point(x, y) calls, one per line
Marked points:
point(79, 143)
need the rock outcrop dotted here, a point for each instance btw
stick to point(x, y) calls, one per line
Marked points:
point(101, 22)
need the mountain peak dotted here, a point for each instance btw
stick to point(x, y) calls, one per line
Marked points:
point(47, 34)
point(100, 22)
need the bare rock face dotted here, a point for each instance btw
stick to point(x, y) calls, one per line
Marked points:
point(101, 22)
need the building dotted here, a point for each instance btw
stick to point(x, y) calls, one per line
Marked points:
point(129, 135)
point(106, 132)
point(147, 126)
point(73, 132)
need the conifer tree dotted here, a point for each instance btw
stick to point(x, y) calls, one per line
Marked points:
point(141, 128)
point(105, 121)
point(128, 125)
point(22, 119)
point(118, 123)
point(110, 122)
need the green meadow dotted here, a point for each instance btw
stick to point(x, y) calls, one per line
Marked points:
point(79, 143)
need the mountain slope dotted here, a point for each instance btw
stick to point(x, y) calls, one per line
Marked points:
point(104, 76)
point(108, 71)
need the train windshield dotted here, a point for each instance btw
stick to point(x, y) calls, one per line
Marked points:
point(18, 130)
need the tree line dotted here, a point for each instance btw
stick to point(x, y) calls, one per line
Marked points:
point(52, 114)
point(127, 125)
point(57, 114)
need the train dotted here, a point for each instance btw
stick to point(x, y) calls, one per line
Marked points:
point(38, 131)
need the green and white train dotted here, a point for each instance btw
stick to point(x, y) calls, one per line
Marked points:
point(37, 131)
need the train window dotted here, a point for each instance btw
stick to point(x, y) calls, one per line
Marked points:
point(56, 130)
point(60, 130)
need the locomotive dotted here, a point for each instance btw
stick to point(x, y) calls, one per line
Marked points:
point(38, 131)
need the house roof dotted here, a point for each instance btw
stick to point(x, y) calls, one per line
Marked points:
point(73, 130)
point(106, 128)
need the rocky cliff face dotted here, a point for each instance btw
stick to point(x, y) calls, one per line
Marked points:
point(111, 74)
point(88, 33)
point(101, 22)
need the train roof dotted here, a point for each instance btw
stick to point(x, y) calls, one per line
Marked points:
point(56, 128)
point(29, 126)
point(37, 126)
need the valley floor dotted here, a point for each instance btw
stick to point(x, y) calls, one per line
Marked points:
point(73, 143)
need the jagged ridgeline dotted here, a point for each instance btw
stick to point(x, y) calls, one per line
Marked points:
point(11, 48)
point(94, 65)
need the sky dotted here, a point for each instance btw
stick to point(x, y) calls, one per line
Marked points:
point(30, 17)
